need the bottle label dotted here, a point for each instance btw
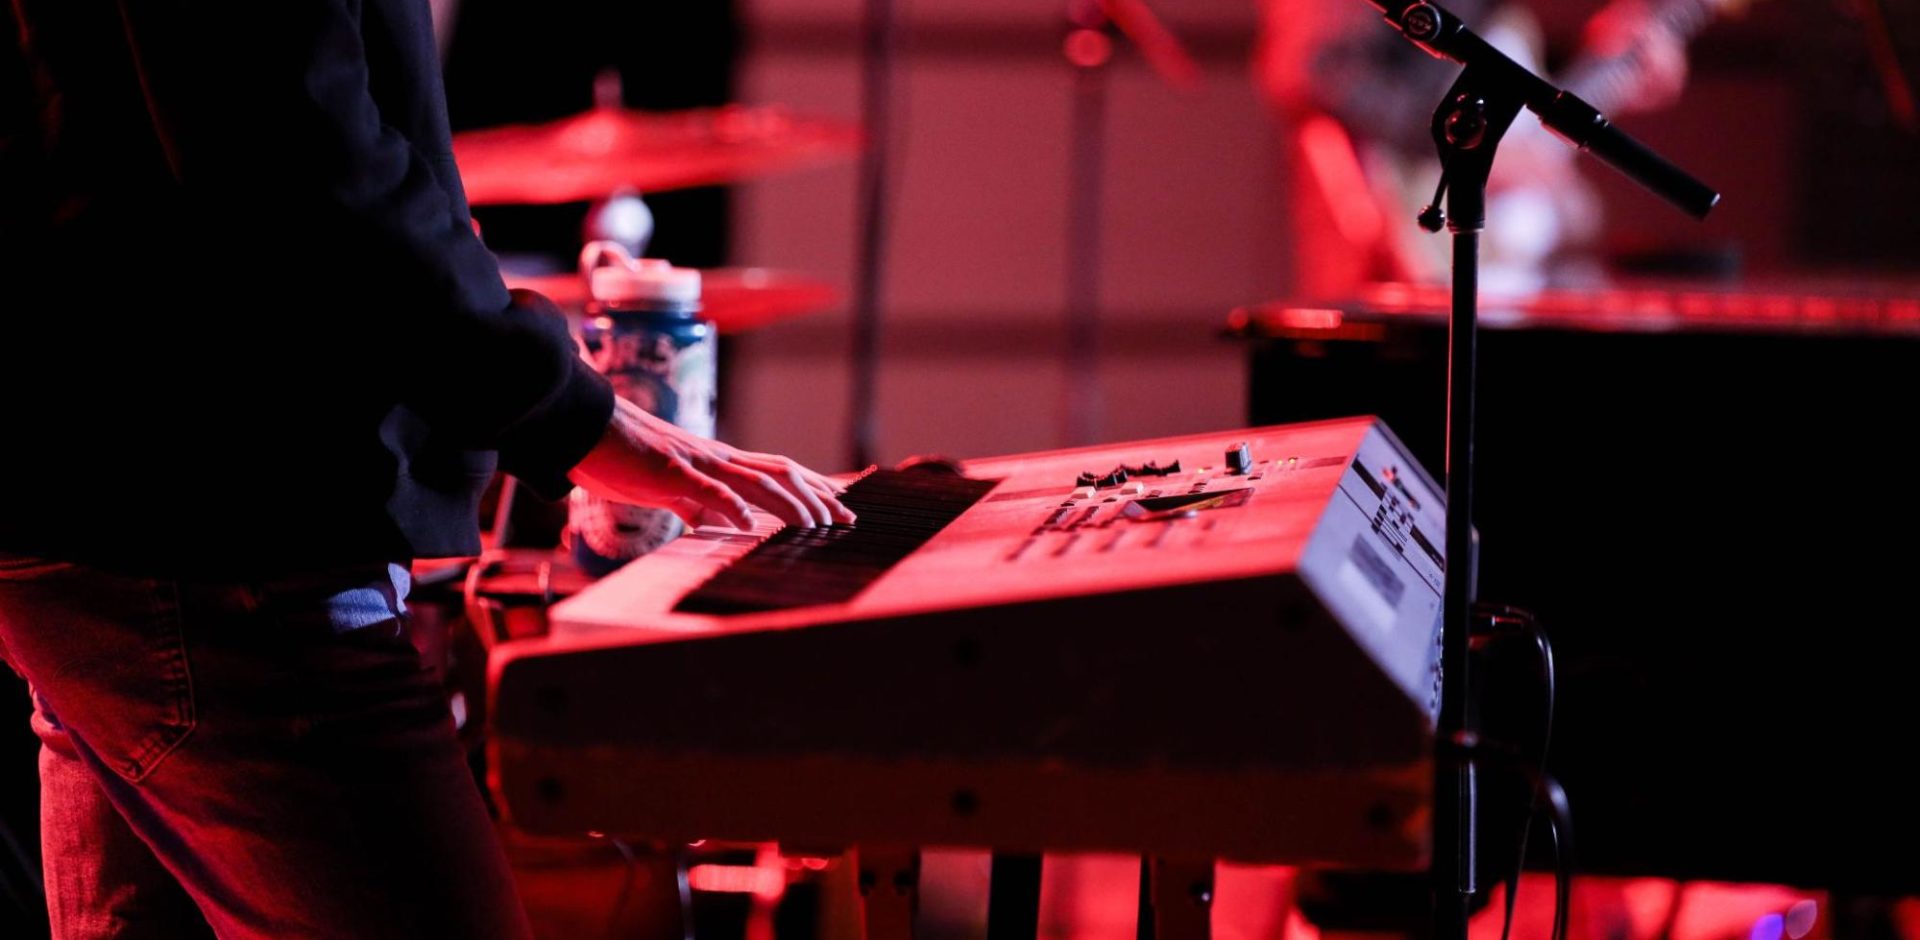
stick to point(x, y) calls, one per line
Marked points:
point(668, 369)
point(669, 372)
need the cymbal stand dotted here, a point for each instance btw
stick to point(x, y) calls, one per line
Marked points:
point(879, 37)
point(1091, 25)
point(1089, 50)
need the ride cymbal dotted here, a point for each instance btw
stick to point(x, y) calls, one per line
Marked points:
point(590, 155)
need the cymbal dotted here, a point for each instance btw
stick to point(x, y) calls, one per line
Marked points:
point(592, 154)
point(735, 299)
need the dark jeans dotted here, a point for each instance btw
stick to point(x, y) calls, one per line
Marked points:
point(219, 755)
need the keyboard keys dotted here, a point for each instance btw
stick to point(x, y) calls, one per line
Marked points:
point(899, 512)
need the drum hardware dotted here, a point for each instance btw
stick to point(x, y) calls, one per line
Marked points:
point(606, 149)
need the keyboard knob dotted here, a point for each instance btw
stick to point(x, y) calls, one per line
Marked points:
point(1240, 459)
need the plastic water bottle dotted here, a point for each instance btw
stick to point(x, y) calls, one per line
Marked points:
point(643, 331)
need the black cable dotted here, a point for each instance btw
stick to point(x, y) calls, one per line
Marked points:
point(1467, 748)
point(1671, 918)
point(1499, 621)
point(626, 885)
point(1561, 819)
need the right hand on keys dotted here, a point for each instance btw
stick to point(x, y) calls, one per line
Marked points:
point(646, 461)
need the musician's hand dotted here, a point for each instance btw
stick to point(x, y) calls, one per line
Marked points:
point(1628, 28)
point(646, 461)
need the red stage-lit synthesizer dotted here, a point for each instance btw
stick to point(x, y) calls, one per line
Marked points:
point(1221, 645)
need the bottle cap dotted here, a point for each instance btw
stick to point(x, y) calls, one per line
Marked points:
point(614, 277)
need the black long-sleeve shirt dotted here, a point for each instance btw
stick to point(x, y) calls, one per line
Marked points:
point(245, 324)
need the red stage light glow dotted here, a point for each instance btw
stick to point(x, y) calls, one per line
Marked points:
point(760, 882)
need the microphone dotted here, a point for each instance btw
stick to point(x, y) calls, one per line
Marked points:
point(1443, 35)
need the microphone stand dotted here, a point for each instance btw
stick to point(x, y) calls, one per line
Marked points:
point(1467, 128)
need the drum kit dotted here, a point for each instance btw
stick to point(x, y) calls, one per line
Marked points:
point(608, 154)
point(609, 150)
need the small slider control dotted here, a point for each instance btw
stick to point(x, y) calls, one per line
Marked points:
point(1239, 459)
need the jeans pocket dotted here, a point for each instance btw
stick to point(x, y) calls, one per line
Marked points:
point(106, 656)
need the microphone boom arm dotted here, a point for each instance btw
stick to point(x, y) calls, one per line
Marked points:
point(1444, 35)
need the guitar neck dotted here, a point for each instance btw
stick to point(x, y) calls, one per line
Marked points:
point(1604, 80)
